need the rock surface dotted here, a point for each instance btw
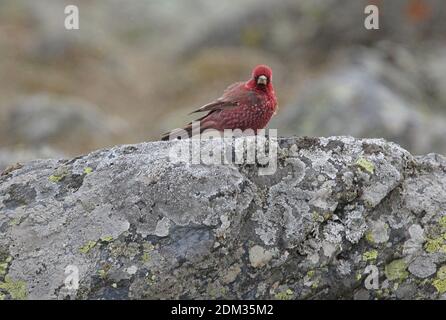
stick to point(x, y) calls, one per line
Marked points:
point(338, 215)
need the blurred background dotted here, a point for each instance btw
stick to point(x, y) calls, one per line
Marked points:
point(137, 67)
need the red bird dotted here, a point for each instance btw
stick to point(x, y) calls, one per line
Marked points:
point(243, 105)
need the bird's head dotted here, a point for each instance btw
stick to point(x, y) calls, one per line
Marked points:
point(261, 77)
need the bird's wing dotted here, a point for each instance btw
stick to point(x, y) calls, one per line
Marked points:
point(216, 105)
point(228, 100)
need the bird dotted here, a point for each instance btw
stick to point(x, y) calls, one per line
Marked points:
point(243, 105)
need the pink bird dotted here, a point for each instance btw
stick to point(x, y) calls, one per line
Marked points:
point(243, 105)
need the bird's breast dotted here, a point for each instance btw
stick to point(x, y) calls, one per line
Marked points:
point(253, 117)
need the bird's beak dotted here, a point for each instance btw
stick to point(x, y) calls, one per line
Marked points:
point(262, 80)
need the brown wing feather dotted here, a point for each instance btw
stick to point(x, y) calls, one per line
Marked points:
point(216, 105)
point(226, 101)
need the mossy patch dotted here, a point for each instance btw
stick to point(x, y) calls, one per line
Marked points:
point(17, 289)
point(366, 165)
point(440, 285)
point(441, 273)
point(107, 239)
point(396, 270)
point(15, 221)
point(54, 178)
point(58, 175)
point(145, 257)
point(442, 222)
point(440, 282)
point(436, 245)
point(310, 274)
point(87, 247)
point(317, 217)
point(369, 237)
point(370, 255)
point(284, 295)
point(103, 273)
point(315, 284)
point(4, 265)
point(88, 170)
point(147, 248)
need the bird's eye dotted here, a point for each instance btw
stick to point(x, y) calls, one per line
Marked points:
point(262, 80)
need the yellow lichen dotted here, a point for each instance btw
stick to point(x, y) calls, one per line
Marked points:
point(107, 238)
point(440, 282)
point(88, 246)
point(369, 237)
point(102, 273)
point(317, 217)
point(442, 222)
point(88, 170)
point(3, 267)
point(436, 245)
point(147, 248)
point(284, 295)
point(370, 255)
point(440, 285)
point(441, 273)
point(15, 221)
point(54, 178)
point(310, 273)
point(17, 289)
point(366, 165)
point(58, 175)
point(396, 270)
point(145, 257)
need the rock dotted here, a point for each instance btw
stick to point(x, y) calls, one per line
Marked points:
point(415, 242)
point(259, 256)
point(378, 232)
point(422, 267)
point(131, 223)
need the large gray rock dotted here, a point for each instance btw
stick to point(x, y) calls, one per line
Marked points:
point(133, 224)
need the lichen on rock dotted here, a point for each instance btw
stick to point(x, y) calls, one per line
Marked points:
point(132, 224)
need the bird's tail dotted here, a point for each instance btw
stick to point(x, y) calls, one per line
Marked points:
point(186, 132)
point(183, 133)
